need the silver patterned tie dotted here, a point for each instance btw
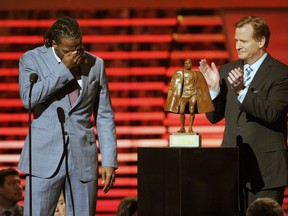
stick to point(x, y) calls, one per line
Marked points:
point(248, 76)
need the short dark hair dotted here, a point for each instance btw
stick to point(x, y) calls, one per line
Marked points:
point(65, 27)
point(264, 207)
point(127, 206)
point(261, 29)
point(7, 172)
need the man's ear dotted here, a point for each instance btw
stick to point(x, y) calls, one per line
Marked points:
point(262, 42)
point(54, 44)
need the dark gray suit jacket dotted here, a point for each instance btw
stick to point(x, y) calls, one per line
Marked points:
point(258, 126)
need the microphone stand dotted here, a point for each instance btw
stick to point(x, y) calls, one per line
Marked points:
point(33, 78)
point(61, 118)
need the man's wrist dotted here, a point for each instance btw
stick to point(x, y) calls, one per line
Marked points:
point(215, 88)
point(239, 91)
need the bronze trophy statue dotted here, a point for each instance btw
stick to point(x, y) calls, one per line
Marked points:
point(188, 94)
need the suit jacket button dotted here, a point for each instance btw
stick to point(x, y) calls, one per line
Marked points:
point(239, 127)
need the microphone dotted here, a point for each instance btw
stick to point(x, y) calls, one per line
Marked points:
point(61, 114)
point(61, 118)
point(33, 78)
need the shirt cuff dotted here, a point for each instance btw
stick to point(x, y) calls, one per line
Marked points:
point(214, 93)
point(242, 95)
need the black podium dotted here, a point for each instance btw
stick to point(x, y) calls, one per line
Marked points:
point(188, 181)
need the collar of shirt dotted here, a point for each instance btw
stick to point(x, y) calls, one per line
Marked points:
point(12, 210)
point(255, 66)
point(57, 57)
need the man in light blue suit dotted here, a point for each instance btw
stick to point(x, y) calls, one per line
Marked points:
point(64, 151)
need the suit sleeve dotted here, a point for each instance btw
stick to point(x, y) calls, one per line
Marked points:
point(105, 122)
point(46, 85)
point(219, 105)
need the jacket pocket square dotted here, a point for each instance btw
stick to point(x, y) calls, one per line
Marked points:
point(94, 81)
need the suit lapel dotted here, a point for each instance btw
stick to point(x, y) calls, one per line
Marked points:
point(259, 77)
point(262, 73)
point(85, 83)
point(84, 86)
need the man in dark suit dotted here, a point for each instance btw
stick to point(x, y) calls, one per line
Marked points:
point(252, 95)
point(10, 192)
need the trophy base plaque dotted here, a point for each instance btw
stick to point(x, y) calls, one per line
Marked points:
point(185, 140)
